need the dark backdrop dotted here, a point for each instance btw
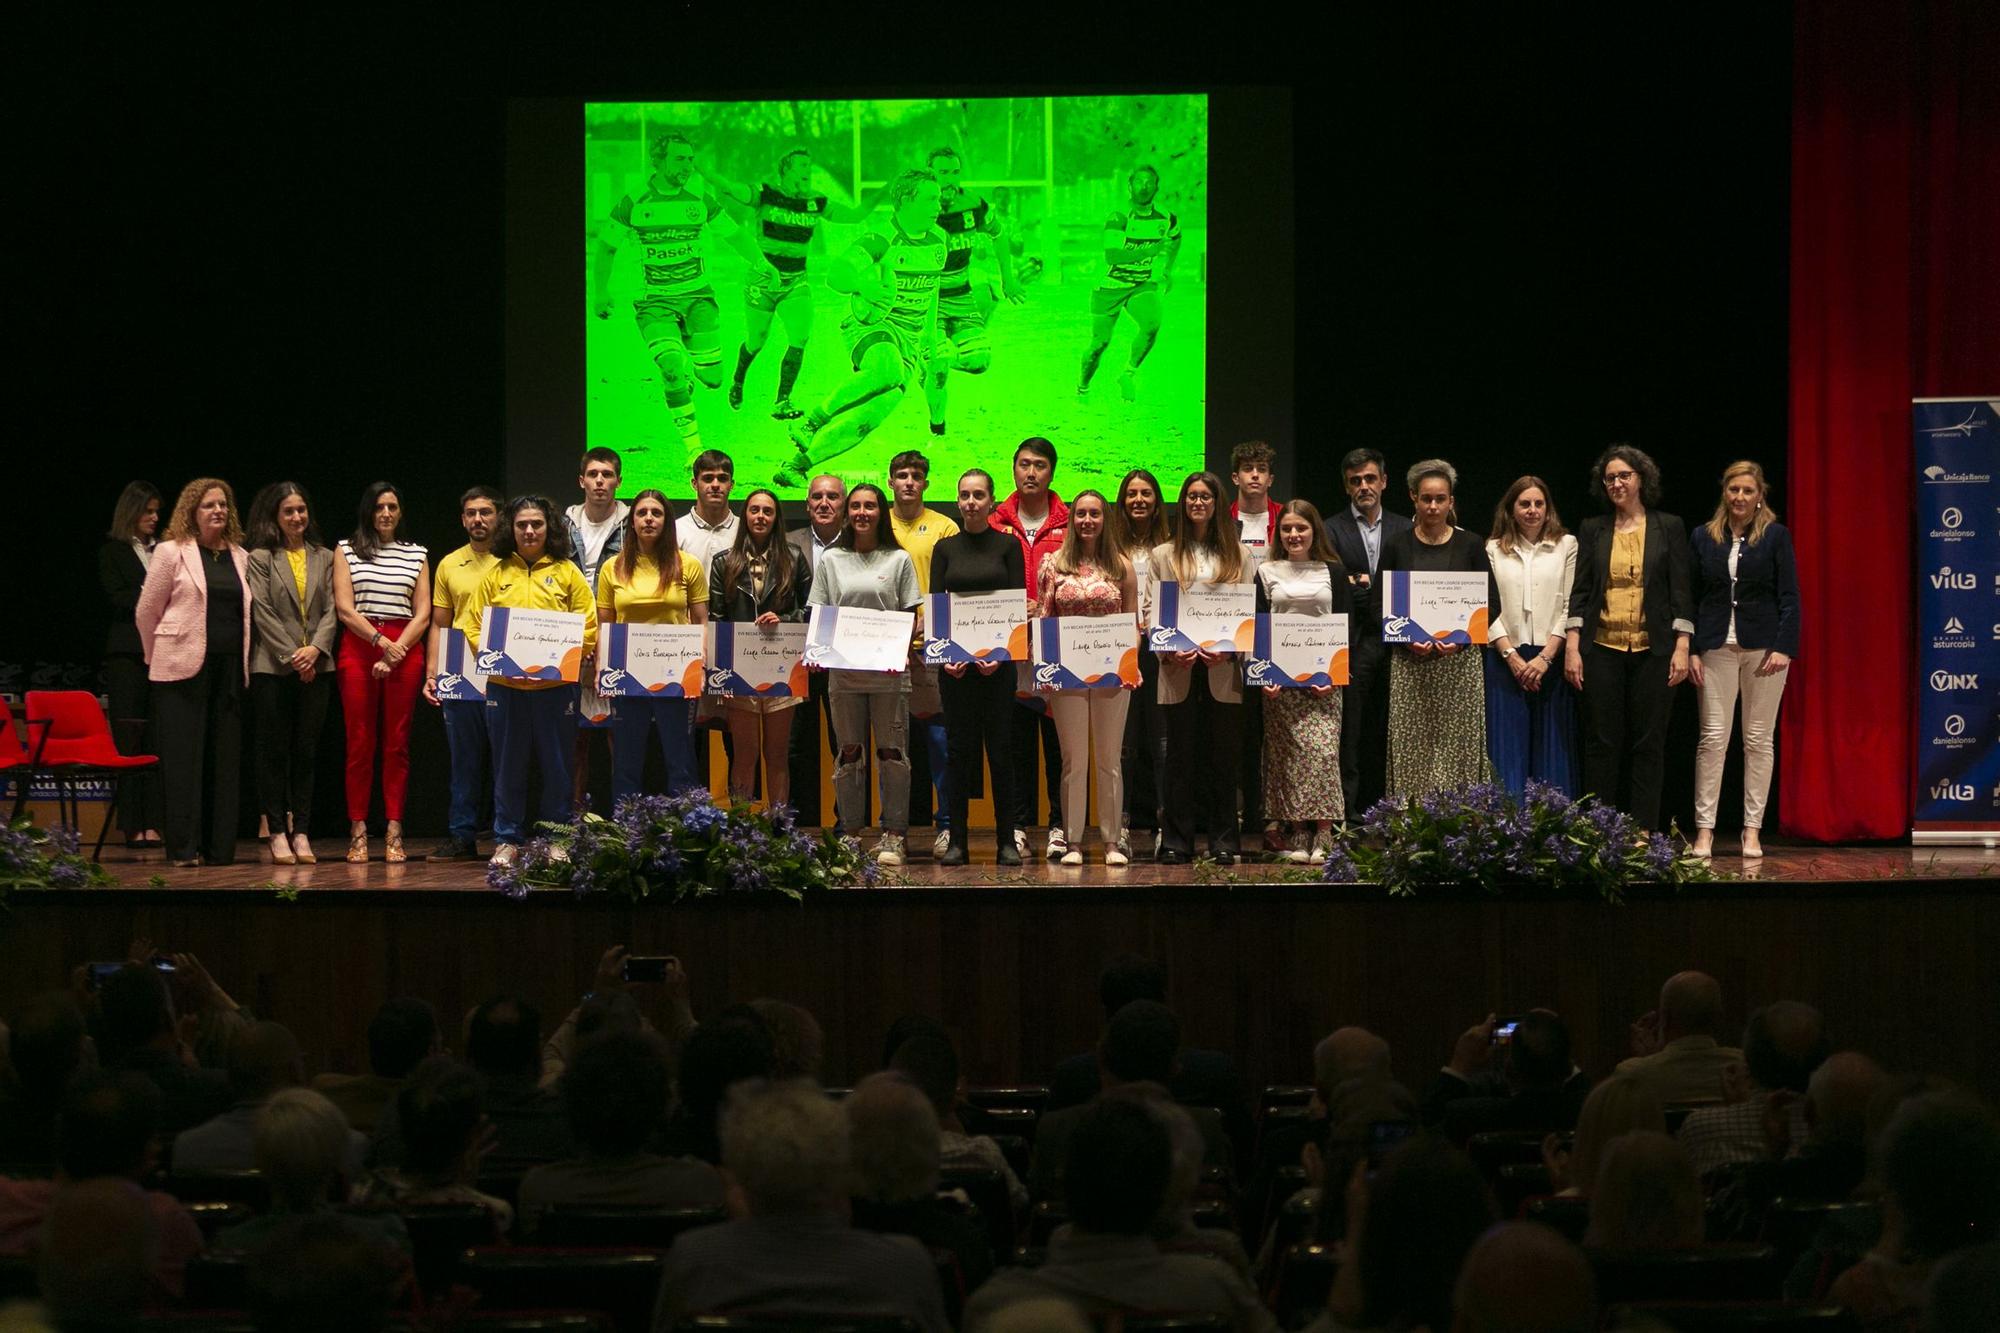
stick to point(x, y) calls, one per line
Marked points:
point(281, 251)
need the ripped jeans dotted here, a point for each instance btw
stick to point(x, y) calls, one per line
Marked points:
point(871, 707)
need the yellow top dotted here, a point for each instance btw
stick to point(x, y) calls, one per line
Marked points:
point(297, 560)
point(455, 588)
point(643, 601)
point(920, 538)
point(1623, 624)
point(548, 585)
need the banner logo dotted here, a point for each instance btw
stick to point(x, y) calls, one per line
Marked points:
point(1936, 475)
point(1945, 578)
point(1952, 517)
point(449, 681)
point(609, 681)
point(1397, 625)
point(489, 661)
point(1946, 682)
point(1046, 674)
point(1953, 791)
point(1963, 429)
point(1954, 725)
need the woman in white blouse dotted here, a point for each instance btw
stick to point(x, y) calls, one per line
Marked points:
point(1530, 709)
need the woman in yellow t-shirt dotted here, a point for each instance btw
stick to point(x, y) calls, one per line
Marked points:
point(652, 582)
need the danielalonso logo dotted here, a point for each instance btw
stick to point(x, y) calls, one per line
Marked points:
point(1952, 527)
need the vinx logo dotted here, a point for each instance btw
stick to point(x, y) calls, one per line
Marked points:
point(1945, 578)
point(1953, 791)
point(1935, 475)
point(1946, 682)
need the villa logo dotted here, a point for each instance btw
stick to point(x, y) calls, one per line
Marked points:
point(1963, 429)
point(1946, 682)
point(1945, 578)
point(1953, 791)
point(816, 654)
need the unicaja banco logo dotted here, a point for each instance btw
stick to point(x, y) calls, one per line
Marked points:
point(1947, 682)
point(449, 681)
point(1938, 475)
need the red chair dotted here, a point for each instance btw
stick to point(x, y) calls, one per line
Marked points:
point(19, 764)
point(77, 746)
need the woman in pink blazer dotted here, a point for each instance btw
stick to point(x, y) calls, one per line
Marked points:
point(194, 626)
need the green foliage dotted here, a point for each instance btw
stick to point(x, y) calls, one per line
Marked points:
point(38, 858)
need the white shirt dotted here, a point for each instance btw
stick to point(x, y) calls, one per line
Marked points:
point(1256, 534)
point(594, 536)
point(145, 553)
point(1299, 588)
point(703, 541)
point(1735, 554)
point(385, 588)
point(1534, 587)
point(1371, 536)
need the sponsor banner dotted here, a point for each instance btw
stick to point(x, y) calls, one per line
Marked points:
point(524, 644)
point(1958, 620)
point(649, 661)
point(756, 661)
point(1218, 617)
point(1295, 652)
point(459, 676)
point(1086, 653)
point(963, 628)
point(1419, 606)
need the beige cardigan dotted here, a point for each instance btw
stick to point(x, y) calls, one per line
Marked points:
point(1224, 677)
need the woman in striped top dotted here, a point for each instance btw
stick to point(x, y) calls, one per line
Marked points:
point(382, 591)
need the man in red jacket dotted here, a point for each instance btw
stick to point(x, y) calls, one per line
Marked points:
point(1038, 520)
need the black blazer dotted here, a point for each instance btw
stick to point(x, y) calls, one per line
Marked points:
point(1766, 592)
point(1345, 534)
point(1666, 579)
point(121, 576)
point(787, 600)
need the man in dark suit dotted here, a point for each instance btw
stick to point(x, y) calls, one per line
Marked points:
point(1357, 534)
point(826, 510)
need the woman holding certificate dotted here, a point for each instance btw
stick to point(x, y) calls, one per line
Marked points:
point(651, 582)
point(1199, 691)
point(866, 568)
point(1746, 586)
point(979, 697)
point(1437, 704)
point(1302, 727)
point(1631, 617)
point(759, 580)
point(1530, 712)
point(1137, 525)
point(531, 719)
point(1089, 576)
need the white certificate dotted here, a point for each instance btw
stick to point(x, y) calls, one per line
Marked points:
point(525, 644)
point(1220, 617)
point(1297, 652)
point(1086, 652)
point(756, 661)
point(853, 638)
point(1419, 606)
point(968, 627)
point(649, 661)
point(459, 677)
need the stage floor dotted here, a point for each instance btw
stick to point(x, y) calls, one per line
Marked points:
point(1783, 864)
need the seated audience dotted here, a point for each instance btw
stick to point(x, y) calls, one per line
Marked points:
point(798, 1047)
point(442, 1127)
point(1526, 1082)
point(1831, 1161)
point(1783, 1044)
point(99, 1255)
point(613, 1000)
point(615, 1095)
point(1938, 1162)
point(1352, 1088)
point(45, 1048)
point(732, 1046)
point(790, 1164)
point(894, 1131)
point(931, 1062)
point(1675, 1048)
point(108, 1131)
point(1409, 1227)
point(263, 1060)
point(1522, 1277)
point(503, 1044)
point(324, 1274)
point(1646, 1197)
point(1964, 1294)
point(1619, 1105)
point(1139, 1046)
point(140, 1032)
point(1175, 1229)
point(301, 1143)
point(402, 1035)
point(1115, 1184)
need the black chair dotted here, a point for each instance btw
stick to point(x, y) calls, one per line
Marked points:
point(1305, 1278)
point(1286, 1182)
point(199, 1321)
point(987, 1190)
point(1678, 1112)
point(951, 1283)
point(244, 1187)
point(1123, 1321)
point(1284, 1094)
point(1215, 1214)
point(1791, 1225)
point(1735, 1316)
point(524, 1321)
point(619, 1283)
point(1030, 1256)
point(1012, 1121)
point(1297, 1216)
point(1566, 1213)
point(1027, 1096)
point(212, 1216)
point(1019, 1153)
point(440, 1233)
point(1043, 1221)
point(653, 1228)
point(18, 1279)
point(1494, 1148)
point(1699, 1273)
point(218, 1280)
point(1518, 1182)
point(796, 1323)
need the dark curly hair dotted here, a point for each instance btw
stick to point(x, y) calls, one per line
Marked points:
point(1639, 461)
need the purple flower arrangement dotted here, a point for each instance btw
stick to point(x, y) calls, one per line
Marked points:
point(39, 858)
point(684, 846)
point(1484, 837)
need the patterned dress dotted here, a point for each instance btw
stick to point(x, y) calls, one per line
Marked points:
point(1437, 705)
point(1301, 732)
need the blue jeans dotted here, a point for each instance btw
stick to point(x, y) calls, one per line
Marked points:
point(465, 732)
point(633, 721)
point(1530, 735)
point(530, 724)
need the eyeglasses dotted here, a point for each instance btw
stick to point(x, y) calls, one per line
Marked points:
point(1619, 478)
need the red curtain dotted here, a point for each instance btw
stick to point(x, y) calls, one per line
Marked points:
point(1895, 294)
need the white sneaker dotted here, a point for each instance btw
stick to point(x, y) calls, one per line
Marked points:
point(1021, 841)
point(1073, 857)
point(1117, 854)
point(1058, 844)
point(1300, 852)
point(889, 851)
point(941, 844)
point(506, 854)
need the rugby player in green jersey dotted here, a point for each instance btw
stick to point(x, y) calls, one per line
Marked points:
point(786, 212)
point(1140, 245)
point(892, 274)
point(964, 217)
point(676, 308)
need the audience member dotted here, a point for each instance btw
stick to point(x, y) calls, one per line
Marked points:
point(895, 1137)
point(1139, 1046)
point(1409, 1227)
point(1964, 1294)
point(798, 1047)
point(732, 1046)
point(45, 1048)
point(615, 1095)
point(1045, 1314)
point(443, 1131)
point(263, 1060)
point(930, 1061)
point(302, 1145)
point(1782, 1045)
point(323, 1274)
point(1528, 1081)
point(1175, 1228)
point(141, 1032)
point(503, 1044)
point(1833, 1158)
point(108, 1132)
point(1522, 1277)
point(1114, 1185)
point(1646, 1196)
point(401, 1036)
point(99, 1251)
point(1675, 1047)
point(1619, 1105)
point(790, 1164)
point(611, 1002)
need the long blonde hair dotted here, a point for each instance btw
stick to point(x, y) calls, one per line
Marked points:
point(1763, 516)
point(1111, 558)
point(181, 527)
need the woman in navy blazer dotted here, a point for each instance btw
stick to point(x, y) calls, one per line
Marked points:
point(1745, 635)
point(1631, 616)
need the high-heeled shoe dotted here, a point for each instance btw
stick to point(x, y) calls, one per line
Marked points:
point(357, 843)
point(302, 848)
point(392, 847)
point(1753, 846)
point(281, 851)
